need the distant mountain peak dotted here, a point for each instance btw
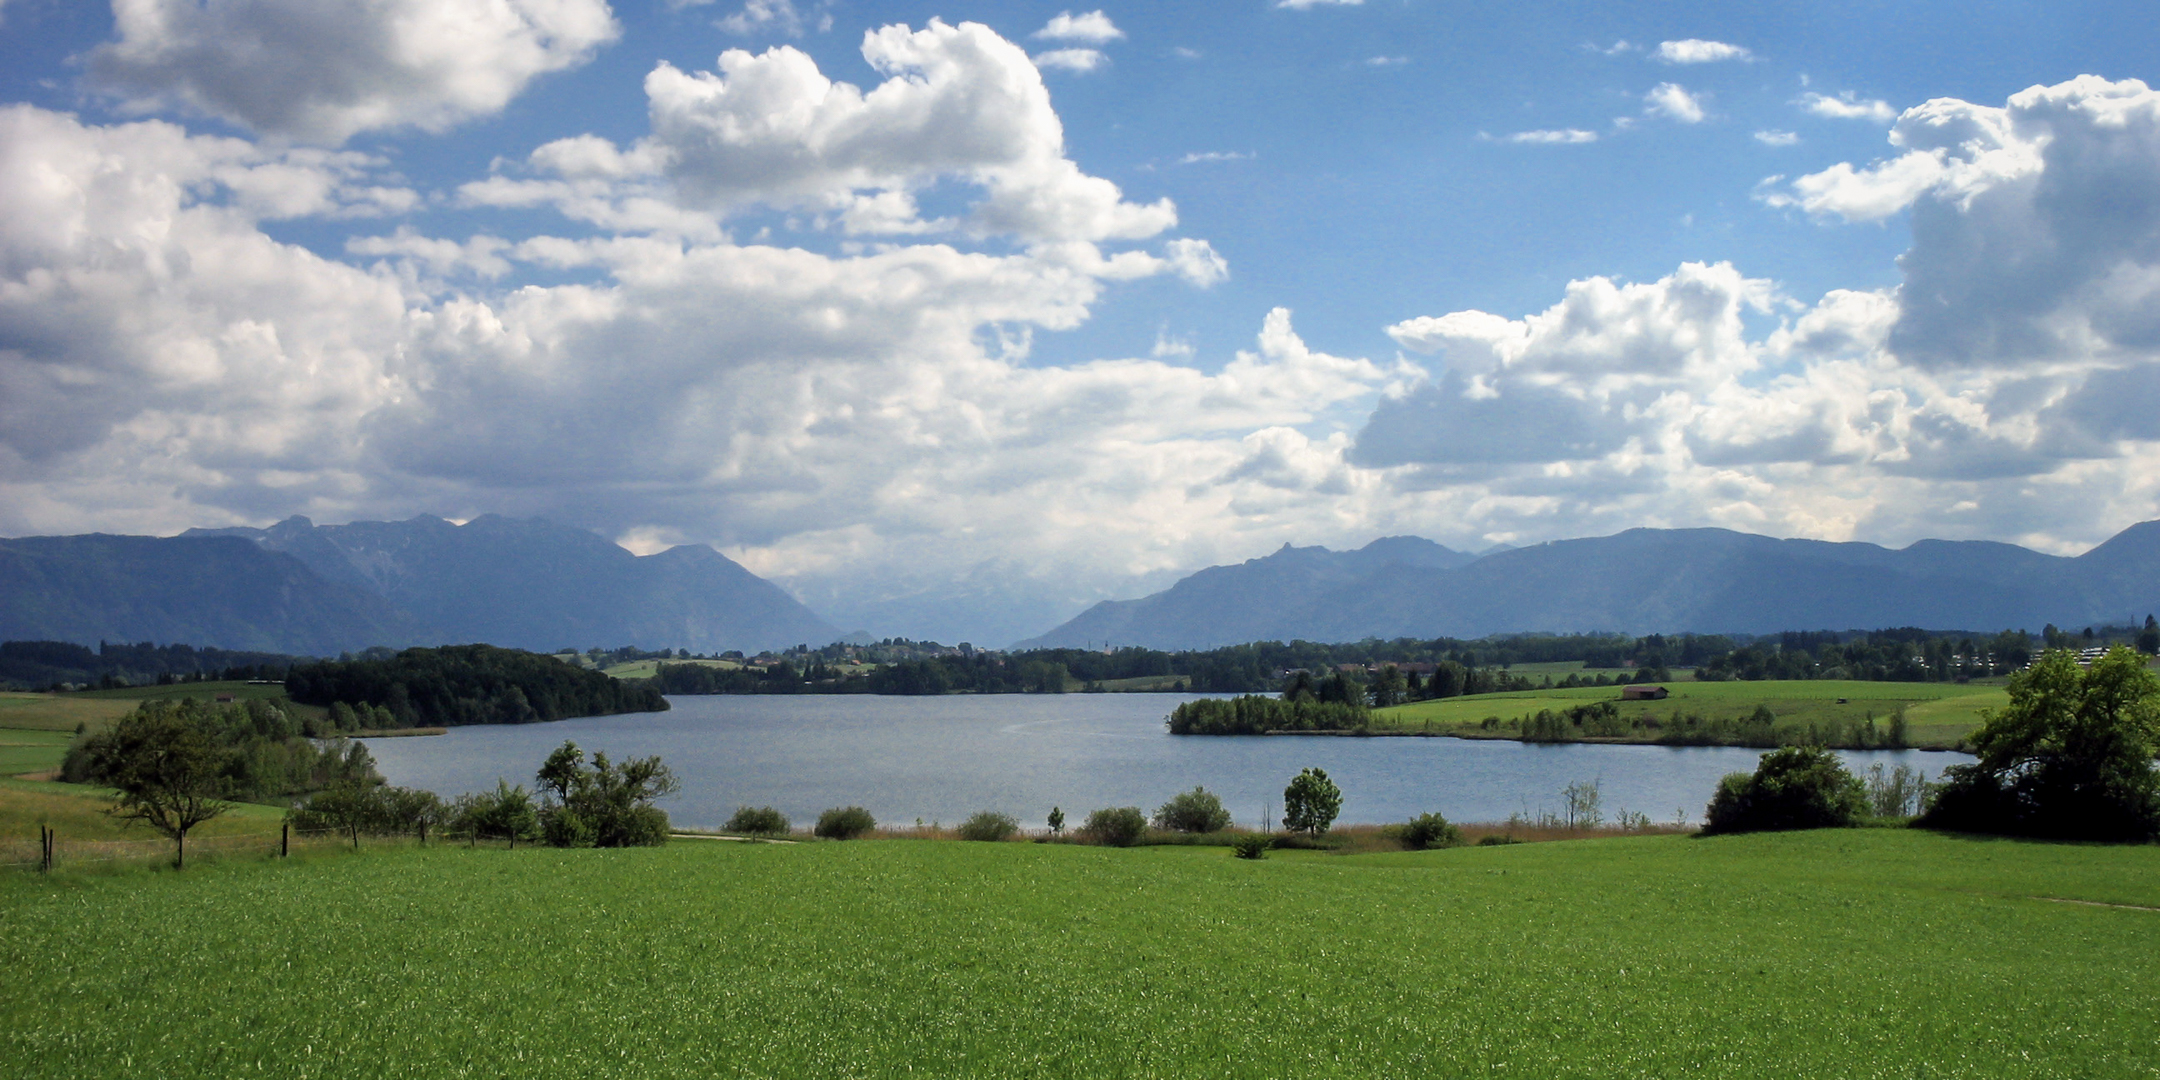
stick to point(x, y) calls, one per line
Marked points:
point(524, 583)
point(1639, 580)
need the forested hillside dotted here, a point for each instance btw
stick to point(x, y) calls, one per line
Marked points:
point(470, 684)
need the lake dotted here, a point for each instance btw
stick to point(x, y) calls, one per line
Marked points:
point(939, 759)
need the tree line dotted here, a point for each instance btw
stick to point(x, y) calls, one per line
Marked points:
point(43, 665)
point(1457, 666)
point(470, 684)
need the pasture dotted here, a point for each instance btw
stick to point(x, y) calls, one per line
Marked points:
point(1938, 715)
point(646, 669)
point(91, 838)
point(35, 728)
point(1854, 953)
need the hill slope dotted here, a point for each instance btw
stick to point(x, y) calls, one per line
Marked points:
point(319, 590)
point(1639, 581)
point(208, 590)
point(538, 585)
point(1269, 598)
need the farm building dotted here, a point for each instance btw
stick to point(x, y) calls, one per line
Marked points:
point(1643, 693)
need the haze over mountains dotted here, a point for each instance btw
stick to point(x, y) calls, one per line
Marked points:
point(1639, 581)
point(302, 588)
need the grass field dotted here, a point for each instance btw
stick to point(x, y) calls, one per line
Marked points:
point(31, 751)
point(1558, 669)
point(1870, 953)
point(1139, 684)
point(78, 812)
point(1937, 714)
point(646, 669)
point(29, 722)
point(90, 837)
point(58, 712)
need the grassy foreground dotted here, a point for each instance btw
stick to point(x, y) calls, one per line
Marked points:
point(1875, 953)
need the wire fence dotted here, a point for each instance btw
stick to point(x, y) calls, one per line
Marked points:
point(51, 850)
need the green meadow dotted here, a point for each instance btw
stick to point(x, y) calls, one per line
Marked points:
point(35, 728)
point(1855, 953)
point(646, 669)
point(58, 712)
point(1937, 714)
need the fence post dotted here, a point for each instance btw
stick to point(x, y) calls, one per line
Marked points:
point(284, 845)
point(45, 853)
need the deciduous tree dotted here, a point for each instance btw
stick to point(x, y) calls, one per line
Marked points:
point(168, 771)
point(2072, 755)
point(1311, 802)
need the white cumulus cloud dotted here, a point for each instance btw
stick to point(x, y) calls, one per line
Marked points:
point(1551, 136)
point(1846, 106)
point(1673, 101)
point(777, 16)
point(167, 363)
point(1698, 51)
point(771, 129)
point(1090, 28)
point(1071, 59)
point(325, 70)
point(2010, 382)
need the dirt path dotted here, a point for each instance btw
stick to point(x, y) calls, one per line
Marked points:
point(2095, 903)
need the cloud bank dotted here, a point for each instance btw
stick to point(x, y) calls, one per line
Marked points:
point(743, 326)
point(2011, 379)
point(325, 72)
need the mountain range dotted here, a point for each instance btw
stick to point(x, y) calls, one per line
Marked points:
point(1638, 582)
point(297, 587)
point(318, 590)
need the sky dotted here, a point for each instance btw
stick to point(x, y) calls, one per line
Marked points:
point(955, 318)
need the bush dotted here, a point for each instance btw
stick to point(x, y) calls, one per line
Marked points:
point(506, 813)
point(1250, 846)
point(604, 804)
point(1896, 793)
point(1496, 840)
point(757, 821)
point(1117, 826)
point(1798, 787)
point(1196, 811)
point(844, 823)
point(989, 826)
point(1430, 831)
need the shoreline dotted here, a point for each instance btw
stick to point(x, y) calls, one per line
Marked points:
point(1591, 740)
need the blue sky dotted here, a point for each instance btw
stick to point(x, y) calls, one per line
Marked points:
point(1483, 273)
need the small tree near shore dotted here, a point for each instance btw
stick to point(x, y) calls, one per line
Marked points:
point(1311, 802)
point(168, 772)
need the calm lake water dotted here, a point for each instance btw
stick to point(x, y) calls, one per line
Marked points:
point(940, 759)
